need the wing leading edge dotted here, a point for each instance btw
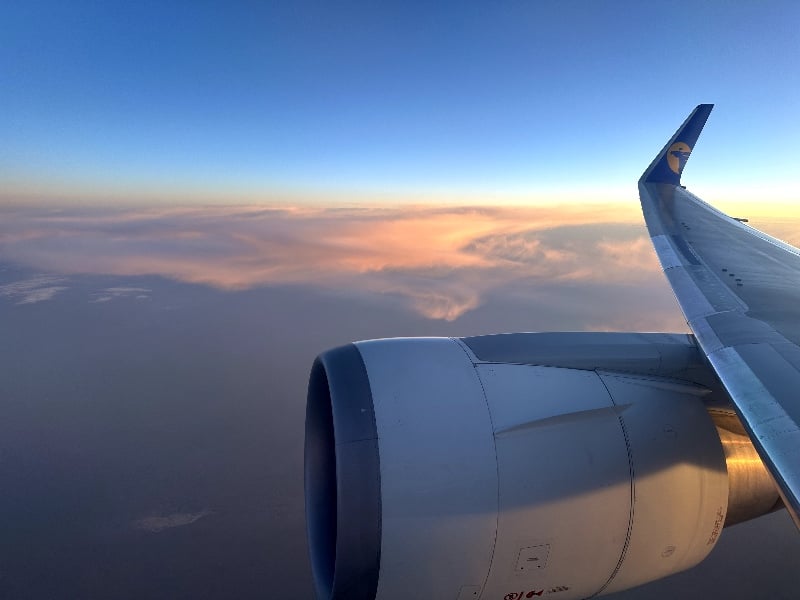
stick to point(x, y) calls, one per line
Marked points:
point(739, 290)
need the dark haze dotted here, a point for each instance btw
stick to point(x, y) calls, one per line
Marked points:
point(151, 428)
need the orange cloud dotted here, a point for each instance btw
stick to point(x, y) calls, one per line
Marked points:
point(441, 261)
point(632, 257)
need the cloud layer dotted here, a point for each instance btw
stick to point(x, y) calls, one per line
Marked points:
point(439, 261)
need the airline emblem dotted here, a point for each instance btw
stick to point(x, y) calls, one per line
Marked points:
point(677, 155)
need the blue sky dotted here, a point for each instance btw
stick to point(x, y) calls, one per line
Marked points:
point(502, 100)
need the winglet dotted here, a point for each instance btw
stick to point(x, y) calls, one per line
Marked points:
point(668, 165)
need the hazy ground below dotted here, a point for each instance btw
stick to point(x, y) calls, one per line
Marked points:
point(151, 425)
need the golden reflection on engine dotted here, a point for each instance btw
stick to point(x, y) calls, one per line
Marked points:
point(751, 490)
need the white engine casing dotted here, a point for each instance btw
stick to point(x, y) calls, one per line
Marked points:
point(491, 480)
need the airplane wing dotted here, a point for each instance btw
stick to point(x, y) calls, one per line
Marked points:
point(739, 290)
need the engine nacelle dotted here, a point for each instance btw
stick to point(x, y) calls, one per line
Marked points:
point(467, 468)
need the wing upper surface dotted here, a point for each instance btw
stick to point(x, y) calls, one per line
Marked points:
point(739, 290)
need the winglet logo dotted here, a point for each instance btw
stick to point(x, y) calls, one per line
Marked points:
point(677, 155)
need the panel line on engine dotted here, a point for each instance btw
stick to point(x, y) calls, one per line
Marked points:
point(629, 533)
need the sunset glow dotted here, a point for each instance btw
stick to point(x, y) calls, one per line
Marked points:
point(441, 260)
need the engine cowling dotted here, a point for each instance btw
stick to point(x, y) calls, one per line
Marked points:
point(476, 468)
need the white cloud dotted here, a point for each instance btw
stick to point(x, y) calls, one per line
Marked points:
point(33, 290)
point(158, 523)
point(108, 294)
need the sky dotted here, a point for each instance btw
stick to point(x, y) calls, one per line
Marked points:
point(196, 199)
point(511, 102)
